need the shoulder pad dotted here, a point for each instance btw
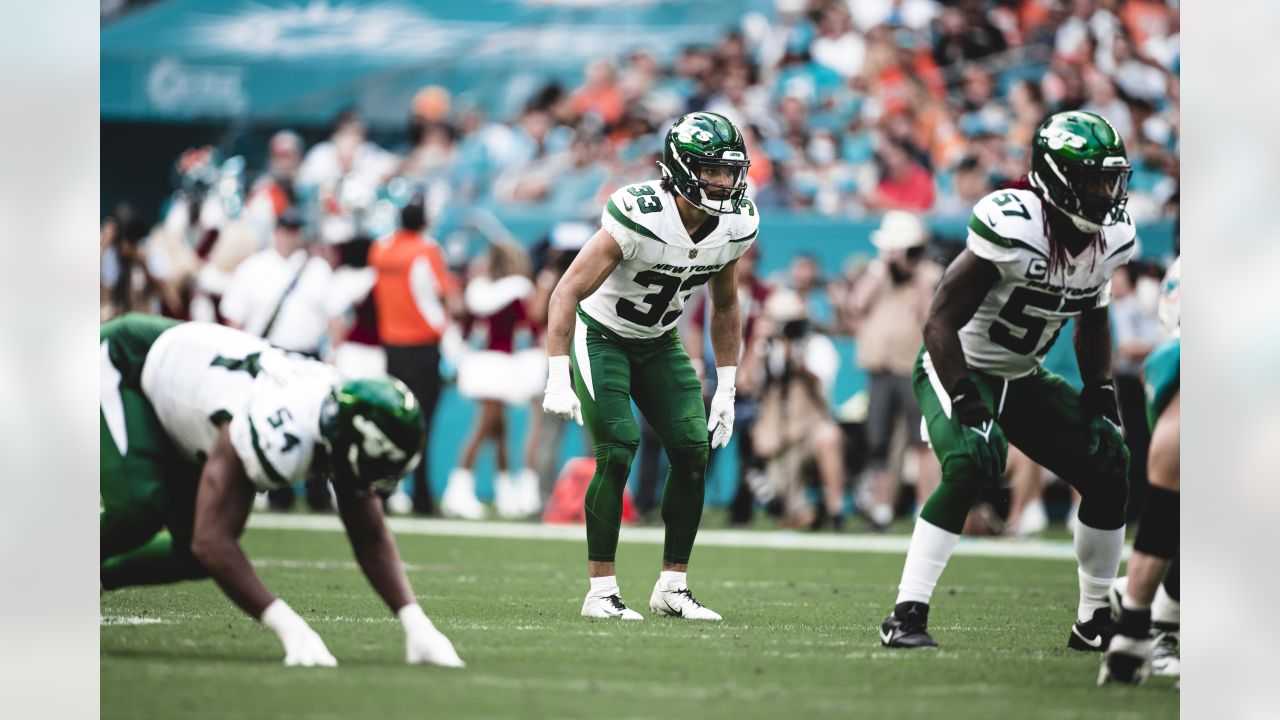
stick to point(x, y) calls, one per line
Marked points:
point(1122, 240)
point(624, 208)
point(271, 436)
point(744, 225)
point(1011, 219)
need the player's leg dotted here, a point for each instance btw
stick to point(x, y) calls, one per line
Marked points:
point(1129, 656)
point(1166, 624)
point(602, 380)
point(1044, 418)
point(937, 530)
point(138, 466)
point(668, 393)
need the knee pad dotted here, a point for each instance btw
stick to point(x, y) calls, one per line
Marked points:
point(1158, 531)
point(690, 460)
point(960, 469)
point(613, 462)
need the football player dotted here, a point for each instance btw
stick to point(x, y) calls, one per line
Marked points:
point(197, 418)
point(1150, 592)
point(658, 242)
point(1036, 256)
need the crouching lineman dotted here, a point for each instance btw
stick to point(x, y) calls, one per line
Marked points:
point(1036, 256)
point(1150, 591)
point(658, 242)
point(196, 418)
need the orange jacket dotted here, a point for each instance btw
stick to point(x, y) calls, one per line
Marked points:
point(411, 307)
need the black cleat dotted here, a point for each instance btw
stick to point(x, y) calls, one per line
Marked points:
point(1095, 635)
point(905, 628)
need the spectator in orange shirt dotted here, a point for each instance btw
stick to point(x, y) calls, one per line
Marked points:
point(599, 94)
point(413, 294)
point(272, 193)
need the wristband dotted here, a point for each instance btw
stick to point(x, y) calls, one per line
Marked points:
point(726, 378)
point(413, 618)
point(281, 618)
point(558, 372)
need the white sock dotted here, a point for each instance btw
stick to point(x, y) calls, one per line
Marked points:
point(604, 586)
point(1165, 609)
point(927, 557)
point(1098, 553)
point(673, 577)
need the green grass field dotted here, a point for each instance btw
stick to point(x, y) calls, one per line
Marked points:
point(799, 640)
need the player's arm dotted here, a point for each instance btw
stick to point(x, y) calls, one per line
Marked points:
point(586, 273)
point(374, 548)
point(376, 552)
point(726, 340)
point(1093, 355)
point(223, 502)
point(965, 284)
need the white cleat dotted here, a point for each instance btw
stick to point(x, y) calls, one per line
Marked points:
point(608, 606)
point(1128, 661)
point(459, 499)
point(1165, 660)
point(675, 600)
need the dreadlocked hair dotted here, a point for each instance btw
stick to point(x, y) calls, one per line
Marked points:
point(1059, 255)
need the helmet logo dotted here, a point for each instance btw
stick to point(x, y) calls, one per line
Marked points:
point(375, 443)
point(1059, 138)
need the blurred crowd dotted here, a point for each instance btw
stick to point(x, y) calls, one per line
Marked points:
point(891, 109)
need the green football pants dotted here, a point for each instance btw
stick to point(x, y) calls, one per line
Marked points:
point(1041, 415)
point(147, 488)
point(610, 372)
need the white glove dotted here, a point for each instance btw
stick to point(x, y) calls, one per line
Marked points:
point(302, 645)
point(720, 423)
point(423, 642)
point(560, 399)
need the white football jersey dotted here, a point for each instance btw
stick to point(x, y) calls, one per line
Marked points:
point(1021, 316)
point(661, 265)
point(200, 375)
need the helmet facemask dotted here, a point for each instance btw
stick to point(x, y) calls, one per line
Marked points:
point(709, 195)
point(359, 453)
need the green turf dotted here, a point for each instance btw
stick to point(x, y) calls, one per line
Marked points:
point(799, 640)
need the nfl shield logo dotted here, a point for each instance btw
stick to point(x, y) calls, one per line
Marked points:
point(693, 254)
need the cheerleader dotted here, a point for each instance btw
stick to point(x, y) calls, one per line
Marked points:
point(497, 375)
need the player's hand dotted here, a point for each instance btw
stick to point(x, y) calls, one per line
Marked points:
point(423, 642)
point(306, 649)
point(302, 645)
point(1099, 399)
point(560, 400)
point(720, 420)
point(982, 436)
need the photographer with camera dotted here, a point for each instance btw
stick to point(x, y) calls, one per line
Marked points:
point(888, 307)
point(795, 429)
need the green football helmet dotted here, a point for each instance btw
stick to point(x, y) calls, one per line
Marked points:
point(704, 139)
point(373, 434)
point(1078, 162)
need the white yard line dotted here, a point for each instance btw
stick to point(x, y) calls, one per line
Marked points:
point(893, 544)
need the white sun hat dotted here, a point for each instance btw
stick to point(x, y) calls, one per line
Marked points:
point(899, 230)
